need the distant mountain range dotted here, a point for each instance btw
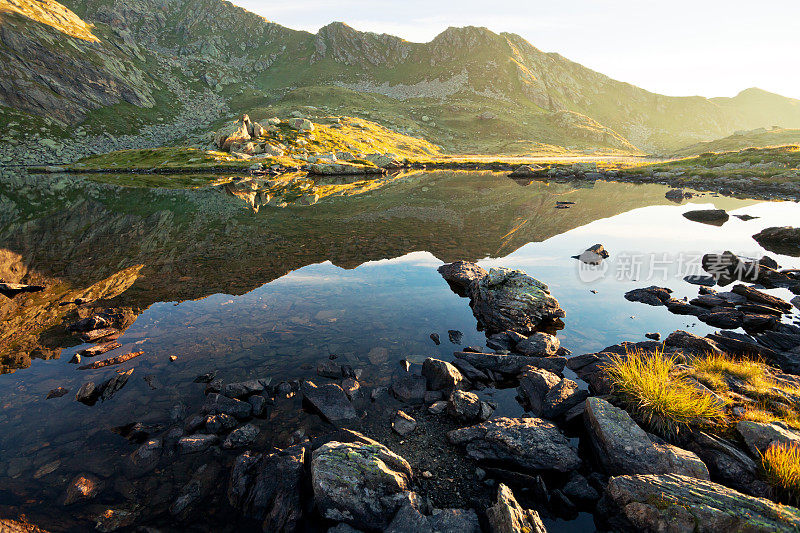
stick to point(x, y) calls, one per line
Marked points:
point(469, 89)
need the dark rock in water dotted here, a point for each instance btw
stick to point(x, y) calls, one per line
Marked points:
point(624, 448)
point(219, 423)
point(745, 217)
point(580, 490)
point(527, 443)
point(203, 483)
point(243, 389)
point(104, 334)
point(196, 443)
point(409, 388)
point(671, 502)
point(691, 343)
point(57, 393)
point(361, 484)
point(435, 339)
point(455, 336)
point(727, 267)
point(548, 395)
point(768, 262)
point(137, 431)
point(592, 255)
point(88, 393)
point(259, 404)
point(680, 307)
point(82, 488)
point(99, 349)
point(526, 171)
point(677, 195)
point(9, 290)
point(267, 488)
point(752, 322)
point(461, 275)
point(650, 295)
point(723, 318)
point(403, 424)
point(781, 240)
point(715, 217)
point(208, 377)
point(539, 345)
point(441, 375)
point(469, 371)
point(330, 401)
point(729, 464)
point(706, 281)
point(511, 300)
point(109, 388)
point(653, 336)
point(144, 459)
point(562, 505)
point(241, 437)
point(511, 364)
point(506, 515)
point(98, 321)
point(759, 297)
point(329, 369)
point(467, 407)
point(152, 381)
point(216, 404)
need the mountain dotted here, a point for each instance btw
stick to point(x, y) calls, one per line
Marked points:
point(469, 89)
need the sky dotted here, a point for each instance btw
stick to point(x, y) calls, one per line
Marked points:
point(674, 47)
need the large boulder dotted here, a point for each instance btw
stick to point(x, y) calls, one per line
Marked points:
point(528, 443)
point(360, 484)
point(441, 375)
point(671, 502)
point(236, 132)
point(624, 448)
point(266, 488)
point(461, 275)
point(507, 516)
point(508, 299)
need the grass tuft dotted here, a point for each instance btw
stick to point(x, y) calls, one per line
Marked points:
point(647, 384)
point(781, 464)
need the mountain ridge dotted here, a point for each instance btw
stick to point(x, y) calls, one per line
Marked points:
point(479, 90)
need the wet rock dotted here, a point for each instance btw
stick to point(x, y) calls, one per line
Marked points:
point(467, 407)
point(360, 484)
point(539, 345)
point(441, 375)
point(403, 424)
point(759, 297)
point(98, 334)
point(82, 488)
point(241, 437)
point(705, 281)
point(461, 275)
point(528, 443)
point(624, 448)
point(723, 318)
point(716, 217)
point(435, 339)
point(547, 395)
point(511, 300)
point(330, 401)
point(259, 404)
point(782, 240)
point(351, 387)
point(676, 195)
point(580, 490)
point(469, 371)
point(57, 393)
point(759, 436)
point(671, 502)
point(243, 389)
point(99, 349)
point(511, 364)
point(217, 404)
point(109, 388)
point(200, 486)
point(593, 255)
point(196, 443)
point(208, 377)
point(562, 505)
point(329, 369)
point(506, 515)
point(266, 488)
point(144, 459)
point(409, 388)
point(454, 336)
point(650, 295)
point(88, 393)
point(98, 321)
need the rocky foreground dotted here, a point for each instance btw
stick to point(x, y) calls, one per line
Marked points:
point(574, 451)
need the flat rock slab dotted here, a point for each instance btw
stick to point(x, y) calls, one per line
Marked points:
point(624, 448)
point(511, 364)
point(672, 502)
point(528, 443)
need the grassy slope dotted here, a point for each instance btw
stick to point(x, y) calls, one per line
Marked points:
point(748, 139)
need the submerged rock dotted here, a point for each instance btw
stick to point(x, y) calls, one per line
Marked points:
point(360, 484)
point(782, 240)
point(508, 299)
point(671, 502)
point(547, 395)
point(82, 488)
point(528, 443)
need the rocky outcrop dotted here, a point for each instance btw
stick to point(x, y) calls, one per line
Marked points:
point(360, 484)
point(461, 275)
point(671, 502)
point(782, 240)
point(527, 443)
point(622, 447)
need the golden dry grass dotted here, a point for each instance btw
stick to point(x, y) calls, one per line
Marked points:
point(647, 384)
point(781, 464)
